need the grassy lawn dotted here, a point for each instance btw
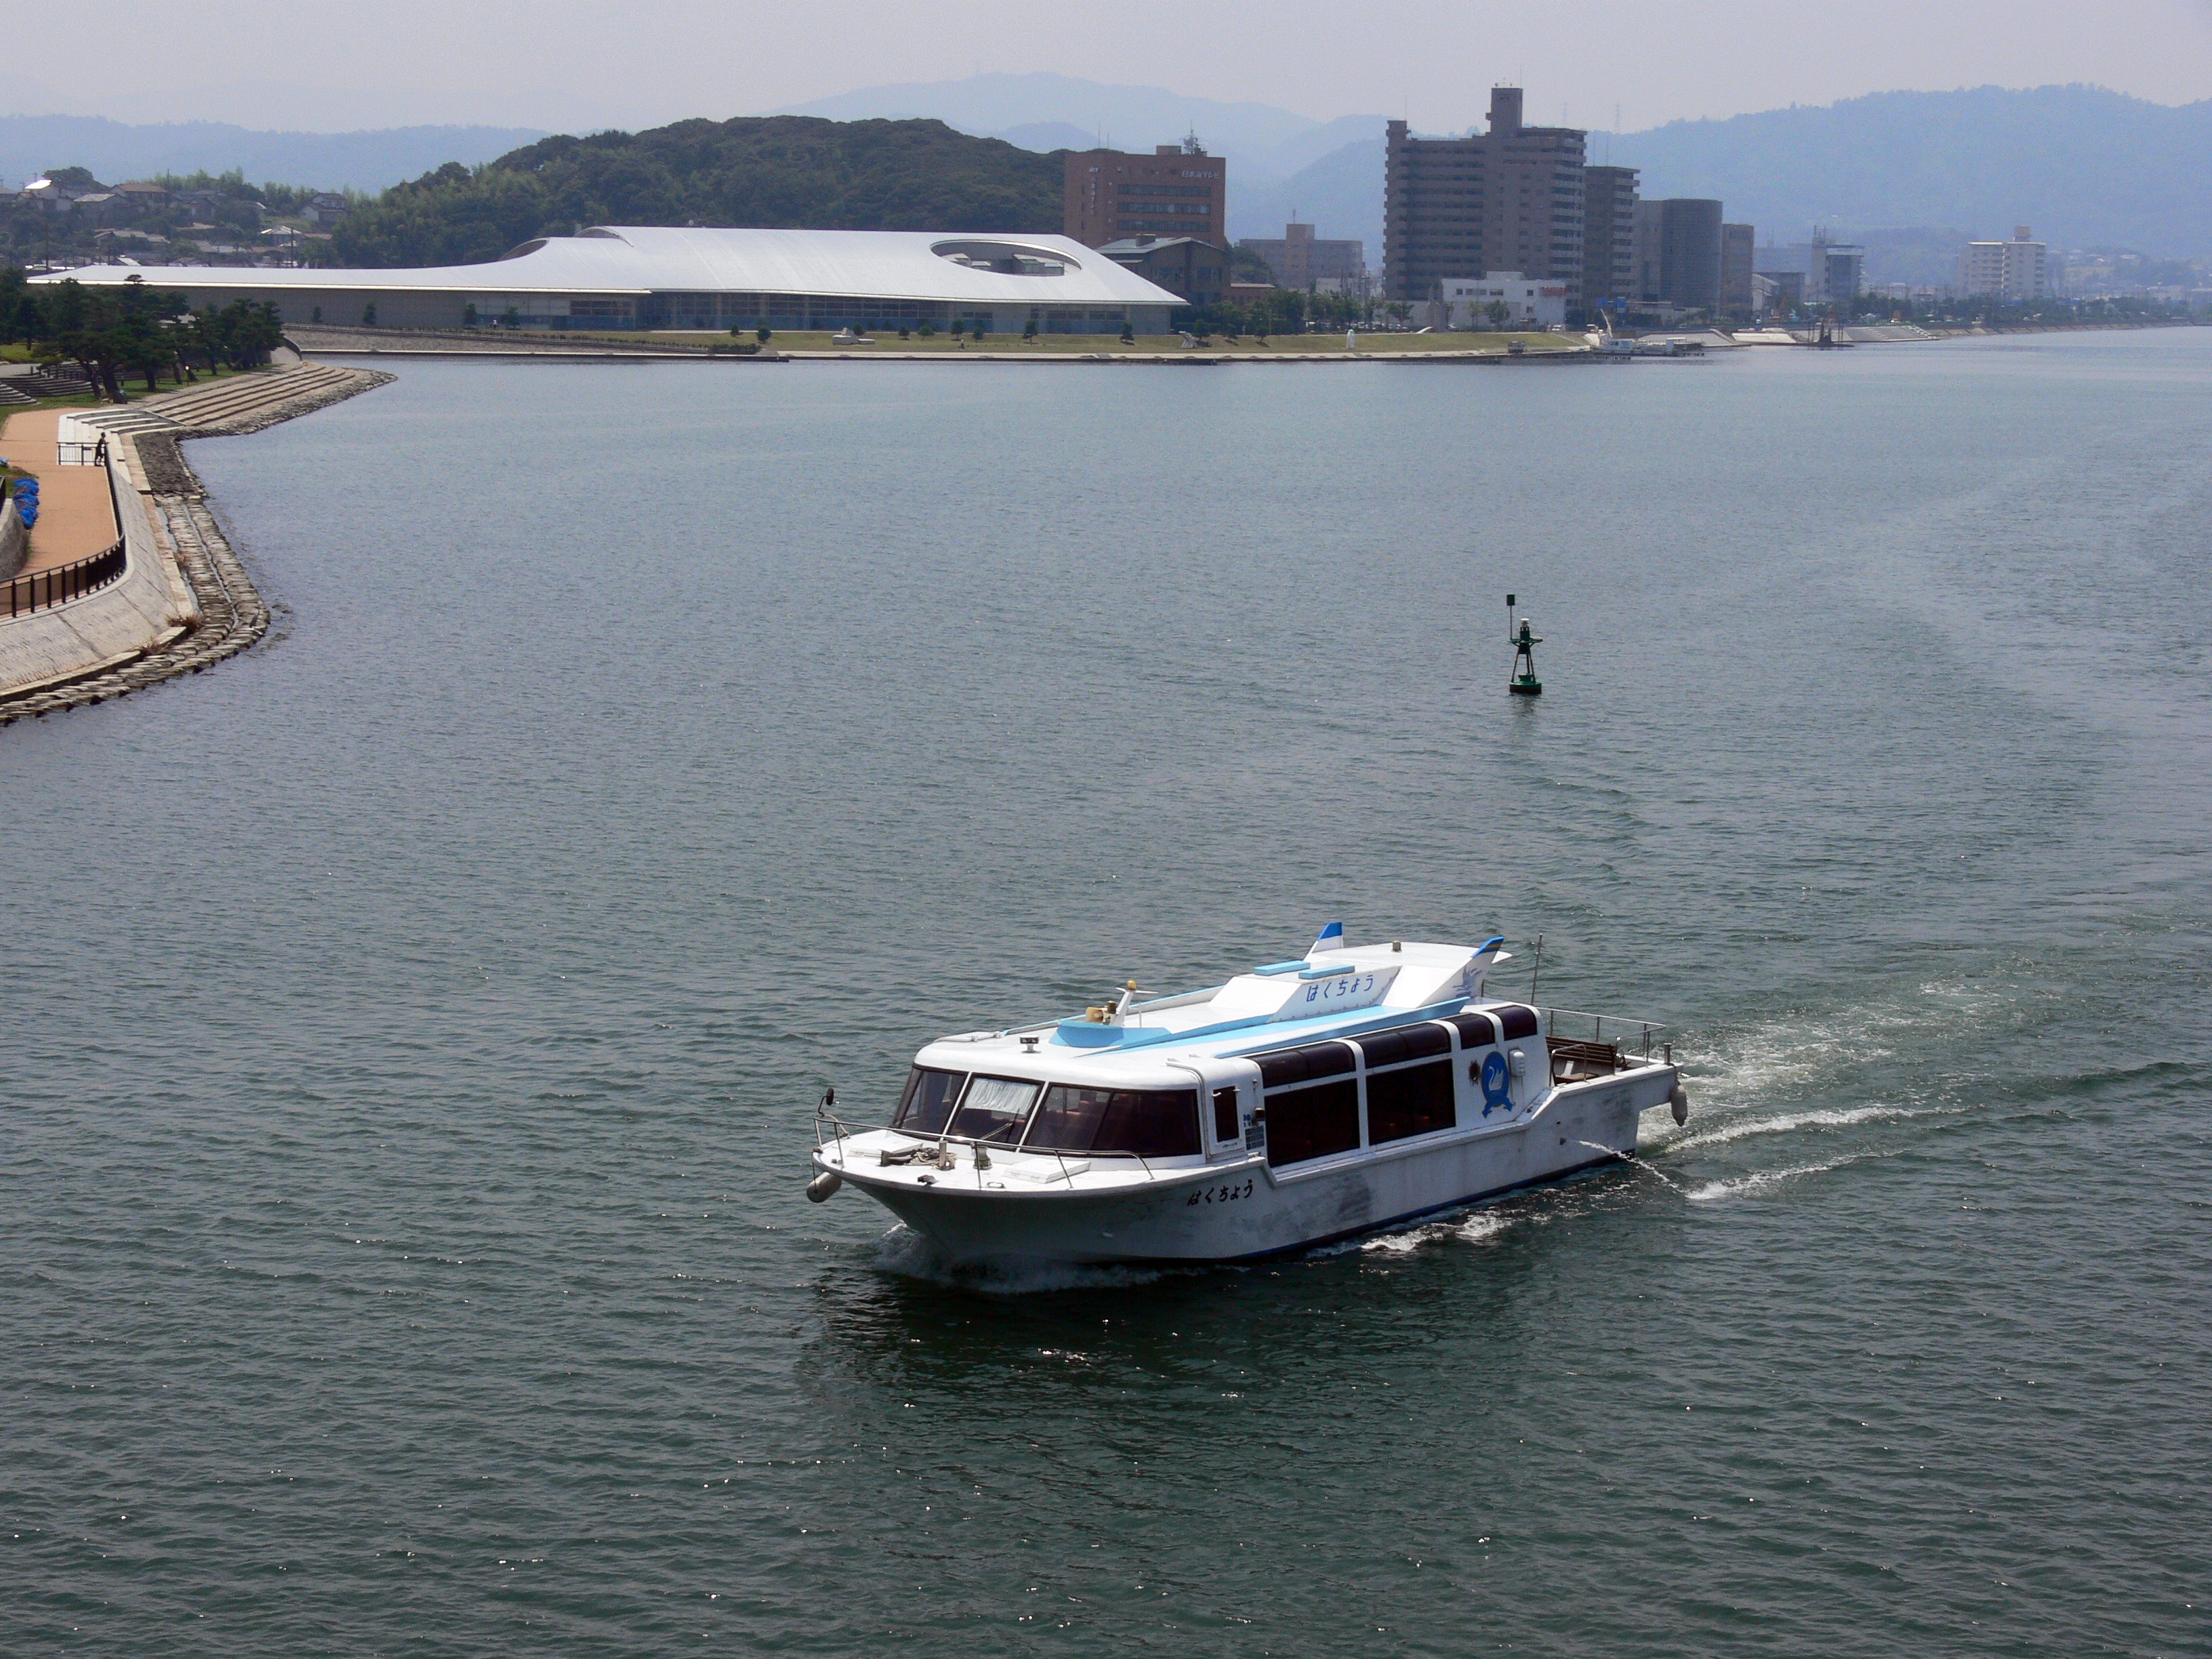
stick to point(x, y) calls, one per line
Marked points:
point(1046, 345)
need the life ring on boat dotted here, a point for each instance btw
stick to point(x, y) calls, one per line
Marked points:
point(1496, 1085)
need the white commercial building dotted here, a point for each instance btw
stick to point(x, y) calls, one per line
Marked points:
point(2012, 272)
point(1464, 302)
point(621, 277)
point(1835, 272)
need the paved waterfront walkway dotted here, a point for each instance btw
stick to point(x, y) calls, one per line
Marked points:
point(218, 612)
point(77, 517)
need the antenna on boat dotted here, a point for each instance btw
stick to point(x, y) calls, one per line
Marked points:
point(1537, 972)
point(1524, 682)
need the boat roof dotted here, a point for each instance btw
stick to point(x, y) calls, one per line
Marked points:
point(1335, 993)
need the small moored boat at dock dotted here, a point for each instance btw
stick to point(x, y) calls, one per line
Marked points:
point(1303, 1101)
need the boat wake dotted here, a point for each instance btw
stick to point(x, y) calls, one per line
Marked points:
point(1744, 1186)
point(1480, 1227)
point(1825, 1118)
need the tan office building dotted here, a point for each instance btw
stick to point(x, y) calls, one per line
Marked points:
point(1177, 190)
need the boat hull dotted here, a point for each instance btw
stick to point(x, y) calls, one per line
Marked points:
point(1245, 1210)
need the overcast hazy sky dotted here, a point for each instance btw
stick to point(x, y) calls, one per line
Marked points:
point(574, 64)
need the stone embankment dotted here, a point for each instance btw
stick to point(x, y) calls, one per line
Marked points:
point(323, 341)
point(184, 601)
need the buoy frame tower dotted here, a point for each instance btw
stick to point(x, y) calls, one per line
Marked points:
point(1524, 682)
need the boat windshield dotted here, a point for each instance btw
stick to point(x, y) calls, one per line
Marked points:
point(927, 1105)
point(995, 1108)
point(1150, 1123)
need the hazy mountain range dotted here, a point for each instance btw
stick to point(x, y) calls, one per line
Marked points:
point(113, 151)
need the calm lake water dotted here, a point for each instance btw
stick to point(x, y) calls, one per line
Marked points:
point(415, 1024)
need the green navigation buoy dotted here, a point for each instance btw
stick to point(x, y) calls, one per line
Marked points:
point(1524, 682)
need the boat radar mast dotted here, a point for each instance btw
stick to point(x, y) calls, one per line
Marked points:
point(1524, 682)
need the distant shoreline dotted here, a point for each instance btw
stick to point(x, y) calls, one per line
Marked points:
point(487, 345)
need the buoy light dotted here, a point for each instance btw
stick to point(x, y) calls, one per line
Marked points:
point(1524, 682)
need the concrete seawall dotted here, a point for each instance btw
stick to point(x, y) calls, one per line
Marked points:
point(148, 607)
point(184, 601)
point(14, 540)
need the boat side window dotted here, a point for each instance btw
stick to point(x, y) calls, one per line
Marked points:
point(1224, 1116)
point(1413, 1100)
point(1476, 1031)
point(995, 1108)
point(1150, 1123)
point(1517, 1022)
point(927, 1106)
point(1407, 1043)
point(1314, 1121)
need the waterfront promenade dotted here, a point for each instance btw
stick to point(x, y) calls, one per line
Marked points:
point(175, 598)
point(76, 513)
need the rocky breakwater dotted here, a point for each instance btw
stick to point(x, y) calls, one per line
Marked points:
point(178, 601)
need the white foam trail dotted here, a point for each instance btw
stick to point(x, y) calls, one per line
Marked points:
point(1760, 1183)
point(1751, 1064)
point(1476, 1229)
point(1833, 1118)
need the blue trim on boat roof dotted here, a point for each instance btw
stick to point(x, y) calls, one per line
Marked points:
point(1281, 967)
point(1289, 1033)
point(1329, 972)
point(1258, 1032)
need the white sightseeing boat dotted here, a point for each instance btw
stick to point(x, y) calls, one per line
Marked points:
point(1302, 1103)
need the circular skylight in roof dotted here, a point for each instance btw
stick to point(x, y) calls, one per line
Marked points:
point(1004, 258)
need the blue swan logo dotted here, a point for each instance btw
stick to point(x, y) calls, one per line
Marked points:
point(1496, 1085)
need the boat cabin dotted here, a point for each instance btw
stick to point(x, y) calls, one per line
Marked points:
point(1346, 1052)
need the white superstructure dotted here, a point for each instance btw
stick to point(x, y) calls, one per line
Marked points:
point(1303, 1101)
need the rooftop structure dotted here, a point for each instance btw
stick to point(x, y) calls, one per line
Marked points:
point(616, 278)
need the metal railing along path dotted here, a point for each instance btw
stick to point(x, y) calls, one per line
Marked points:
point(43, 589)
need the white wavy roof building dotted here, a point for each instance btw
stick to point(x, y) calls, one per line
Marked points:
point(659, 276)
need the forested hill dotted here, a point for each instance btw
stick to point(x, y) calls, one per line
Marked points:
point(779, 170)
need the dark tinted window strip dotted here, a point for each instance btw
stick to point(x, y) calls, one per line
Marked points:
point(1476, 1031)
point(1517, 1022)
point(1287, 1066)
point(1405, 1043)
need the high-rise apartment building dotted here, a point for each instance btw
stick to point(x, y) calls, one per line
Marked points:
point(1678, 252)
point(1608, 235)
point(1510, 199)
point(1738, 254)
point(2012, 272)
point(1177, 190)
